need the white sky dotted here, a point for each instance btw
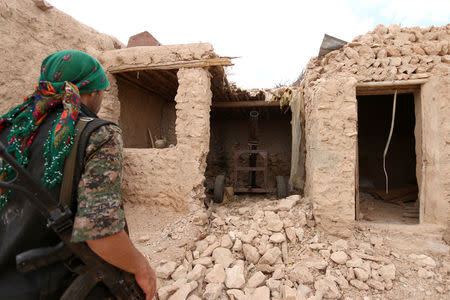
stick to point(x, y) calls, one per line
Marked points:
point(274, 39)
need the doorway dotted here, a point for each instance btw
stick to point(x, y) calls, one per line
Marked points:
point(400, 203)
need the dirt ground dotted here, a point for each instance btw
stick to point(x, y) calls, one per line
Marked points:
point(381, 260)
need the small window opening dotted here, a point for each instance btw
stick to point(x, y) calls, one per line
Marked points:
point(147, 108)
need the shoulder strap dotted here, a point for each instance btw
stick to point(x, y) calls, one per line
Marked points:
point(75, 160)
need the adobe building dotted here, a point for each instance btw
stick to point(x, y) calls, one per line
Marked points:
point(348, 106)
point(182, 119)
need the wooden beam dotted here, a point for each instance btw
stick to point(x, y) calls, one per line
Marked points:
point(125, 77)
point(394, 83)
point(202, 63)
point(230, 104)
point(385, 91)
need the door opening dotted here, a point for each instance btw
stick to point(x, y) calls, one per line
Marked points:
point(400, 204)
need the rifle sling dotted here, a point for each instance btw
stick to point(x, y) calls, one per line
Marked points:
point(65, 195)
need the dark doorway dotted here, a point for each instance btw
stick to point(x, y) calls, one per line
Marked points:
point(399, 205)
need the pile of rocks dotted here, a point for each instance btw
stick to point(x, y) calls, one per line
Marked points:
point(271, 250)
point(387, 53)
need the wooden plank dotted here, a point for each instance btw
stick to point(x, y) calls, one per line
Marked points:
point(393, 83)
point(230, 104)
point(203, 63)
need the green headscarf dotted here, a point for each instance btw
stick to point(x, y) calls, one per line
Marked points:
point(64, 76)
point(76, 67)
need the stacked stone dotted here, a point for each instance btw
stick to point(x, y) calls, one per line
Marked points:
point(387, 53)
point(272, 251)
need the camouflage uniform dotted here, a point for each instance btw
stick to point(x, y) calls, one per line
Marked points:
point(100, 212)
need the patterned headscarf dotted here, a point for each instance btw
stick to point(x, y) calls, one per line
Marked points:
point(64, 75)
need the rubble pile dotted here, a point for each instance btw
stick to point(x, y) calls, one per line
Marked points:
point(387, 53)
point(271, 250)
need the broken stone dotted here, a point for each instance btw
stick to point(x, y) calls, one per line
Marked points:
point(216, 274)
point(261, 293)
point(359, 284)
point(201, 246)
point(304, 290)
point(423, 260)
point(42, 4)
point(235, 277)
point(208, 251)
point(183, 292)
point(251, 253)
point(180, 272)
point(237, 245)
point(288, 293)
point(290, 233)
point(375, 284)
point(165, 269)
point(317, 263)
point(301, 275)
point(387, 272)
point(288, 203)
point(277, 238)
point(361, 274)
point(271, 256)
point(354, 262)
point(318, 246)
point(424, 273)
point(273, 284)
point(236, 294)
point(226, 242)
point(212, 291)
point(325, 253)
point(275, 225)
point(205, 261)
point(278, 273)
point(223, 256)
point(339, 257)
point(300, 233)
point(256, 280)
point(193, 297)
point(248, 238)
point(328, 288)
point(339, 245)
point(197, 272)
point(166, 291)
point(351, 53)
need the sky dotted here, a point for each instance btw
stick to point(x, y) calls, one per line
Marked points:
point(273, 40)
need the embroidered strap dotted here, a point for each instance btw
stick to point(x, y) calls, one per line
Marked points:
point(66, 193)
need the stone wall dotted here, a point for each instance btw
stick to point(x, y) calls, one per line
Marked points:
point(28, 35)
point(330, 82)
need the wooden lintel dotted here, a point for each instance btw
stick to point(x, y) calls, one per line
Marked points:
point(385, 91)
point(230, 104)
point(389, 87)
point(202, 63)
point(393, 83)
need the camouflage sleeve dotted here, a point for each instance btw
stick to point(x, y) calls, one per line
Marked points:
point(100, 212)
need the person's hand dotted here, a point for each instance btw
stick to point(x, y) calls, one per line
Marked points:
point(146, 278)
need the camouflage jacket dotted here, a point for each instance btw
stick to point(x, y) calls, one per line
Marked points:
point(100, 212)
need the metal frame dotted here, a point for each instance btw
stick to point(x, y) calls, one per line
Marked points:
point(249, 189)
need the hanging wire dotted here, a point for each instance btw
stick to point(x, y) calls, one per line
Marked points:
point(394, 105)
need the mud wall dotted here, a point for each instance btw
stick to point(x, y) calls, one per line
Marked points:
point(28, 35)
point(172, 177)
point(435, 160)
point(386, 54)
point(331, 151)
